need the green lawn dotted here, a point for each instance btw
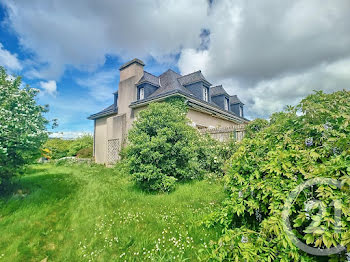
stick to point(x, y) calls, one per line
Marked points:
point(85, 213)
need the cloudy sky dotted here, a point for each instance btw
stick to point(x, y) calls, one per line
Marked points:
point(270, 53)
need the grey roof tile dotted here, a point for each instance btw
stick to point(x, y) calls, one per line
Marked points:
point(235, 100)
point(217, 90)
point(193, 78)
point(169, 82)
point(112, 109)
point(149, 78)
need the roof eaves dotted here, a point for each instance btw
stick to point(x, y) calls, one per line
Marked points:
point(103, 113)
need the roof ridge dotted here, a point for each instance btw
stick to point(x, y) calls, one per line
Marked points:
point(170, 70)
point(192, 73)
point(150, 73)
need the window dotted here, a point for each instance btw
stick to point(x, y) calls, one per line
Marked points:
point(141, 93)
point(206, 94)
point(227, 103)
point(241, 111)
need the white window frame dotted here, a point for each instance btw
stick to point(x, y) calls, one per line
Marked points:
point(227, 102)
point(240, 111)
point(206, 94)
point(141, 93)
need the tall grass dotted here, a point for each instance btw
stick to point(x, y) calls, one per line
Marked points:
point(82, 213)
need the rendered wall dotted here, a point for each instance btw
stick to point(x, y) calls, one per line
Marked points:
point(100, 140)
point(206, 120)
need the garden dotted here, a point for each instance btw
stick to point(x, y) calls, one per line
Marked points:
point(176, 195)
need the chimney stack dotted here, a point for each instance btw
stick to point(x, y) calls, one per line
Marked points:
point(131, 68)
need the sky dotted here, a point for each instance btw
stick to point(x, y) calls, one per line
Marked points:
point(270, 53)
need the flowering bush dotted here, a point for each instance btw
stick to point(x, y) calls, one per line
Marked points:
point(162, 147)
point(22, 126)
point(311, 140)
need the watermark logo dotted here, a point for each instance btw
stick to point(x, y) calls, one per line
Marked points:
point(309, 205)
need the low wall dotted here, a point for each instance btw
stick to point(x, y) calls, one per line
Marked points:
point(224, 133)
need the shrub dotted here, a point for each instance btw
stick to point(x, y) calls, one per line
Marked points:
point(85, 152)
point(311, 140)
point(162, 147)
point(58, 147)
point(85, 141)
point(22, 126)
point(212, 154)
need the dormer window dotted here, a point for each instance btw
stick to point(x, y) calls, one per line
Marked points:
point(141, 93)
point(227, 103)
point(241, 111)
point(206, 94)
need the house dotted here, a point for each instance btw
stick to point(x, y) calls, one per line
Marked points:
point(209, 106)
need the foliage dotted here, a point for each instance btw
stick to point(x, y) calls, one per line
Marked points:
point(22, 126)
point(255, 126)
point(85, 152)
point(162, 147)
point(58, 147)
point(85, 141)
point(212, 154)
point(311, 140)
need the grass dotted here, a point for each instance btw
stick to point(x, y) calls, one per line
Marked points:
point(82, 213)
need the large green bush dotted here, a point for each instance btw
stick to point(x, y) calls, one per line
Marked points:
point(62, 147)
point(162, 147)
point(22, 126)
point(85, 141)
point(58, 147)
point(311, 140)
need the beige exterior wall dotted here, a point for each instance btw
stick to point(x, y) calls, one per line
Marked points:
point(204, 120)
point(100, 140)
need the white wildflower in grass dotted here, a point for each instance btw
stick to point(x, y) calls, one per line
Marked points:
point(244, 239)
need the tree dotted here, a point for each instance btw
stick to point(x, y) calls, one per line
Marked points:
point(305, 142)
point(82, 142)
point(22, 126)
point(161, 147)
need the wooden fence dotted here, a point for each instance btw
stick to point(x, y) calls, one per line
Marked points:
point(224, 133)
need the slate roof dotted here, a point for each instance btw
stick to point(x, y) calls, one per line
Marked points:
point(170, 83)
point(193, 78)
point(235, 100)
point(112, 109)
point(149, 78)
point(217, 90)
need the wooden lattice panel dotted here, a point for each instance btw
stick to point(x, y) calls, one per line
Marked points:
point(113, 151)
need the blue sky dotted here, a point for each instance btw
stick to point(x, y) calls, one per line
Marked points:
point(269, 53)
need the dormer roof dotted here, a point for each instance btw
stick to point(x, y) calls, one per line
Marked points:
point(193, 78)
point(217, 91)
point(235, 100)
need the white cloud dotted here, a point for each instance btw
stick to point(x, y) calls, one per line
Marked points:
point(100, 85)
point(8, 60)
point(49, 87)
point(68, 134)
point(272, 95)
point(270, 53)
point(82, 32)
